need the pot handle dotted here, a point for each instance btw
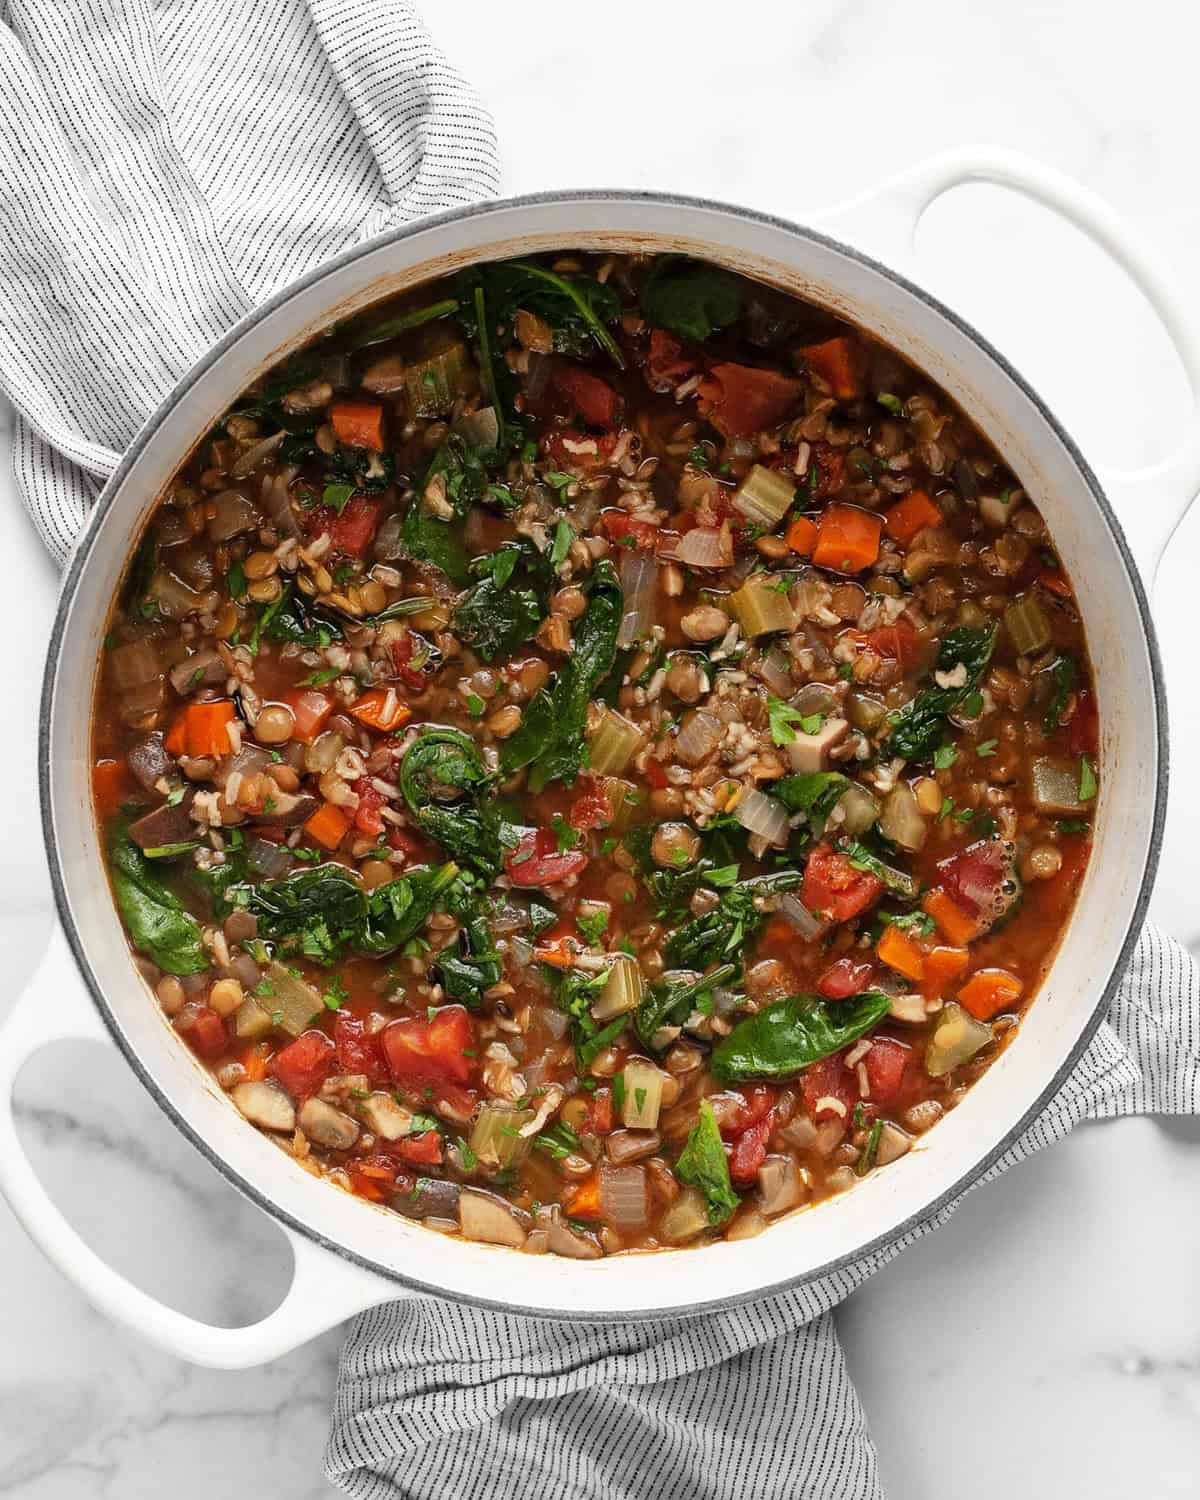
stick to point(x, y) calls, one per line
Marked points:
point(1152, 501)
point(326, 1289)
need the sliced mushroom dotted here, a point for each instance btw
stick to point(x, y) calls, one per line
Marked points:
point(169, 824)
point(385, 1117)
point(288, 809)
point(201, 669)
point(624, 1146)
point(265, 1105)
point(893, 1143)
point(327, 1126)
point(779, 1186)
point(385, 376)
point(561, 1239)
point(149, 760)
point(429, 1198)
point(810, 752)
point(484, 1216)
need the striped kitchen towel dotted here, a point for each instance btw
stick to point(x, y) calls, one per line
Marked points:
point(753, 1403)
point(163, 168)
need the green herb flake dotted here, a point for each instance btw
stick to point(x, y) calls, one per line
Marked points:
point(337, 496)
point(945, 756)
point(1087, 780)
point(986, 748)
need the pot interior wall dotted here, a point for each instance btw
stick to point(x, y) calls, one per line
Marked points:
point(1112, 896)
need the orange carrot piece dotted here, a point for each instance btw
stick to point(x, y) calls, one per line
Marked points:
point(780, 930)
point(955, 925)
point(989, 991)
point(254, 1061)
point(359, 424)
point(556, 957)
point(910, 515)
point(380, 708)
point(310, 710)
point(202, 730)
point(109, 784)
point(802, 536)
point(585, 1200)
point(839, 364)
point(847, 539)
point(942, 964)
point(1056, 582)
point(896, 949)
point(327, 826)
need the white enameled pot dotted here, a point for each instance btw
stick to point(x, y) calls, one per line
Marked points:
point(348, 1254)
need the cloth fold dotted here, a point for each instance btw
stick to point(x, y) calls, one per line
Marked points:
point(435, 1398)
point(163, 168)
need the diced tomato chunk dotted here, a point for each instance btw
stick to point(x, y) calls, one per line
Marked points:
point(427, 1051)
point(309, 709)
point(410, 655)
point(845, 977)
point(750, 1148)
point(834, 889)
point(1083, 732)
point(667, 364)
point(740, 400)
point(621, 528)
point(594, 399)
point(591, 809)
point(600, 1112)
point(415, 850)
point(826, 1080)
point(981, 879)
point(207, 1034)
point(536, 860)
point(424, 1150)
point(303, 1065)
point(376, 1177)
point(579, 450)
point(357, 1050)
point(370, 800)
point(354, 530)
point(888, 1063)
point(896, 642)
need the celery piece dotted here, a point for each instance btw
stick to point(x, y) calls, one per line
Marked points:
point(761, 606)
point(614, 744)
point(765, 496)
point(622, 991)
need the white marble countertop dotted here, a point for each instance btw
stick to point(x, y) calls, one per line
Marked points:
point(1046, 1343)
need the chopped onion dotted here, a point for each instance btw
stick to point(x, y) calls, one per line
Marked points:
point(624, 1197)
point(388, 543)
point(639, 584)
point(773, 669)
point(793, 910)
point(859, 809)
point(902, 820)
point(232, 513)
point(763, 815)
point(521, 951)
point(705, 547)
point(254, 456)
point(699, 735)
point(175, 599)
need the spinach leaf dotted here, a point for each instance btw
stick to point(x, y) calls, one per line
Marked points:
point(474, 966)
point(669, 1001)
point(702, 1164)
point(158, 923)
point(504, 609)
point(815, 793)
point(577, 308)
point(292, 618)
point(550, 737)
point(917, 727)
point(899, 881)
point(724, 932)
point(1062, 678)
point(443, 781)
point(576, 992)
point(792, 1033)
point(691, 298)
point(322, 913)
point(464, 471)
